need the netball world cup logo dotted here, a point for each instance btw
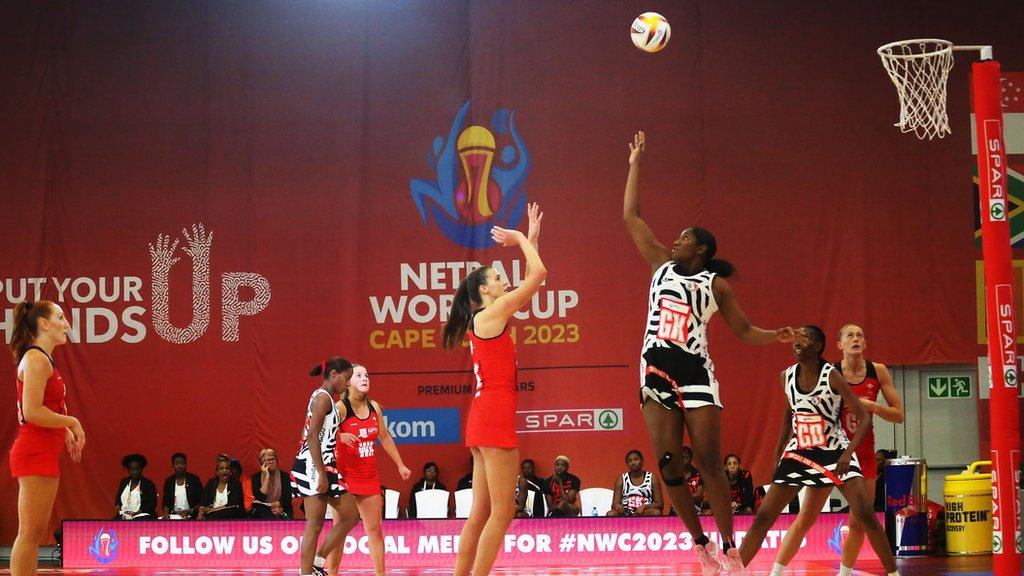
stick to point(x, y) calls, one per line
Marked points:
point(838, 539)
point(479, 176)
point(104, 546)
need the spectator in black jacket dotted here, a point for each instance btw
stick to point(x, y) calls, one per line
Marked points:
point(527, 482)
point(429, 481)
point(741, 486)
point(222, 495)
point(136, 494)
point(183, 491)
point(271, 489)
point(562, 490)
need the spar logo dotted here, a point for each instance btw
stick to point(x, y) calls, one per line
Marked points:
point(572, 420)
point(475, 187)
point(839, 536)
point(104, 546)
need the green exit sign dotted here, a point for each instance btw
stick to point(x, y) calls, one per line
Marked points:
point(949, 386)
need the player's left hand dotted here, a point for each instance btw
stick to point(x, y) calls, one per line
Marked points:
point(404, 472)
point(73, 446)
point(535, 216)
point(348, 438)
point(505, 237)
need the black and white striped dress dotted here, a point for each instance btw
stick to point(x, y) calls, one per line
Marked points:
point(818, 439)
point(304, 474)
point(675, 366)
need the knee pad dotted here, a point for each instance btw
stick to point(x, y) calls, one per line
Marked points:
point(663, 463)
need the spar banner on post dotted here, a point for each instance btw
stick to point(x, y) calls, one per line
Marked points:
point(1002, 334)
point(420, 543)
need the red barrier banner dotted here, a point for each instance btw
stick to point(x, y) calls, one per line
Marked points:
point(421, 543)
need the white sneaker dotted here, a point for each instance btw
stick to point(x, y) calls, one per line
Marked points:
point(710, 564)
point(733, 562)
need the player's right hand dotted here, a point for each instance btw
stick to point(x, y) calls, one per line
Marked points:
point(637, 148)
point(321, 482)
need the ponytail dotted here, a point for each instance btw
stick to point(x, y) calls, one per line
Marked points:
point(723, 268)
point(334, 363)
point(26, 325)
point(466, 296)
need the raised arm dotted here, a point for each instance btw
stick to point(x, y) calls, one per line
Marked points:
point(533, 232)
point(492, 319)
point(860, 414)
point(389, 446)
point(738, 322)
point(894, 411)
point(653, 251)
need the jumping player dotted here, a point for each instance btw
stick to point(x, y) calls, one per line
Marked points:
point(677, 377)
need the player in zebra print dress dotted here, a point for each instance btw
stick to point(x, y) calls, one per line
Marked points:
point(677, 378)
point(637, 492)
point(315, 478)
point(813, 449)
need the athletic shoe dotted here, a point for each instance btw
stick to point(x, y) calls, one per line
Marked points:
point(710, 565)
point(318, 571)
point(733, 563)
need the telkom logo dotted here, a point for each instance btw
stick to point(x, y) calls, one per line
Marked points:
point(424, 425)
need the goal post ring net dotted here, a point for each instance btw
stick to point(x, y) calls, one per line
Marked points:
point(919, 69)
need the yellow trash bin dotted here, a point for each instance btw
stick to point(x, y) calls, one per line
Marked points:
point(968, 498)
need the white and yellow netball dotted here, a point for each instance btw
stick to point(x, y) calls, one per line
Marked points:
point(650, 32)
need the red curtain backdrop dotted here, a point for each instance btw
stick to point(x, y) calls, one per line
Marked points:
point(292, 133)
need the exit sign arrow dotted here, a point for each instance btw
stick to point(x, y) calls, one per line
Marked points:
point(938, 387)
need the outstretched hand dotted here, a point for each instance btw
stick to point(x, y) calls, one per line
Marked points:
point(535, 216)
point(506, 237)
point(788, 334)
point(637, 148)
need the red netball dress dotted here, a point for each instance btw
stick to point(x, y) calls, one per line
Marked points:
point(358, 464)
point(36, 450)
point(867, 389)
point(492, 416)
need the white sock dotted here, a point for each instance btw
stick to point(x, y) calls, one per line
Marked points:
point(319, 561)
point(778, 569)
point(894, 573)
point(845, 570)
